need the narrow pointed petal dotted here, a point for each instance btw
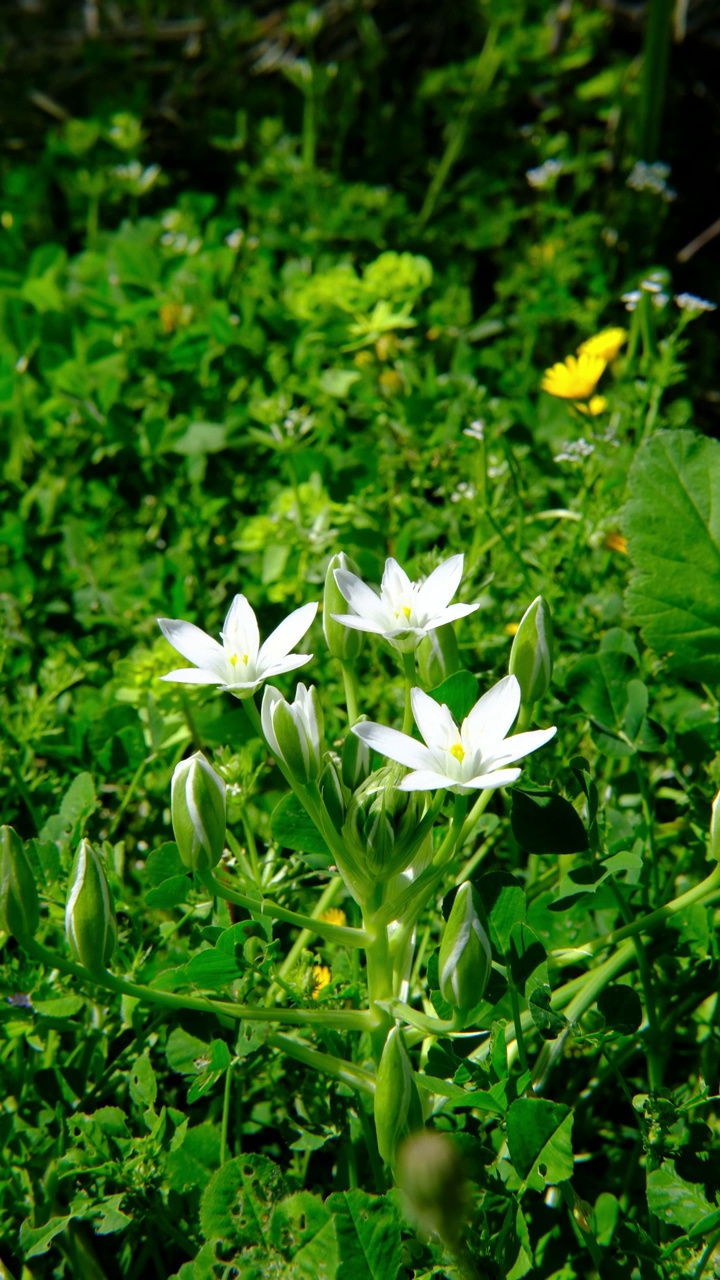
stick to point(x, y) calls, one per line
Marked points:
point(240, 630)
point(286, 636)
point(195, 645)
point(193, 675)
point(451, 614)
point(493, 716)
point(425, 780)
point(290, 663)
point(521, 744)
point(394, 580)
point(489, 781)
point(438, 590)
point(271, 697)
point(434, 721)
point(394, 745)
point(360, 597)
point(357, 623)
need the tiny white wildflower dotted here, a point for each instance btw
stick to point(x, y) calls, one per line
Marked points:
point(691, 303)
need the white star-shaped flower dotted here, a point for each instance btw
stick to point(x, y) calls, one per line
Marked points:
point(473, 757)
point(240, 663)
point(405, 611)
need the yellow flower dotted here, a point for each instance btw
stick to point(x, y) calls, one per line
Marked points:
point(605, 344)
point(616, 542)
point(575, 378)
point(594, 406)
point(334, 915)
point(511, 628)
point(321, 978)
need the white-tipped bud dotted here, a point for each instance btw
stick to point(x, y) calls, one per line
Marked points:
point(398, 1111)
point(715, 829)
point(465, 958)
point(333, 792)
point(197, 806)
point(90, 925)
point(19, 909)
point(531, 656)
point(294, 731)
point(381, 824)
point(344, 643)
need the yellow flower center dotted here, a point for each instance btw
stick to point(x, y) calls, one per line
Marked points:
point(406, 610)
point(458, 752)
point(234, 659)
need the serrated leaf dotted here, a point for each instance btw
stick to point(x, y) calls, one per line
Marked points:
point(37, 1240)
point(239, 1200)
point(674, 1200)
point(672, 523)
point(544, 822)
point(539, 1135)
point(368, 1233)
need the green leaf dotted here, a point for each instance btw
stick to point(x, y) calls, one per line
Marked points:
point(621, 1008)
point(527, 960)
point(293, 829)
point(183, 1050)
point(211, 968)
point(544, 822)
point(37, 1240)
point(303, 1230)
point(674, 1200)
point(77, 804)
point(672, 522)
point(60, 1007)
point(170, 893)
point(539, 1135)
point(192, 1163)
point(238, 1202)
point(458, 693)
point(504, 900)
point(163, 863)
point(143, 1085)
point(201, 438)
point(368, 1233)
point(113, 1218)
point(549, 1023)
point(337, 382)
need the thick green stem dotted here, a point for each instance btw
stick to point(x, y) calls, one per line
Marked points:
point(336, 1019)
point(348, 674)
point(409, 670)
point(646, 924)
point(341, 934)
point(338, 1068)
point(379, 982)
point(225, 1114)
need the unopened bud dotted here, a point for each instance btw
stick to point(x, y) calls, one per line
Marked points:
point(531, 656)
point(715, 829)
point(294, 731)
point(465, 958)
point(355, 760)
point(432, 1180)
point(343, 642)
point(19, 910)
point(438, 656)
point(382, 823)
point(197, 807)
point(90, 925)
point(333, 793)
point(398, 1111)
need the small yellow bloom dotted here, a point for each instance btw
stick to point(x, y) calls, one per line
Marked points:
point(605, 344)
point(594, 406)
point(574, 378)
point(321, 978)
point(334, 915)
point(511, 628)
point(390, 382)
point(616, 542)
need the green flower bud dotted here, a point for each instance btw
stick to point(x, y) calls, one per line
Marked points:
point(465, 958)
point(398, 1111)
point(355, 760)
point(715, 829)
point(333, 793)
point(343, 642)
point(531, 656)
point(294, 731)
point(19, 910)
point(432, 1180)
point(197, 806)
point(90, 925)
point(381, 824)
point(438, 656)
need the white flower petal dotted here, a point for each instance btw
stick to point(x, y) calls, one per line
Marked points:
point(240, 630)
point(285, 637)
point(395, 581)
point(438, 590)
point(425, 780)
point(451, 614)
point(271, 697)
point(394, 745)
point(195, 645)
point(361, 624)
point(291, 663)
point(521, 744)
point(498, 778)
point(434, 721)
point(193, 675)
point(493, 716)
point(361, 598)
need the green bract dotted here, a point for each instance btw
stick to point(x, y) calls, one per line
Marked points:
point(531, 656)
point(90, 925)
point(19, 911)
point(198, 813)
point(381, 824)
point(465, 957)
point(342, 642)
point(294, 731)
point(398, 1111)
